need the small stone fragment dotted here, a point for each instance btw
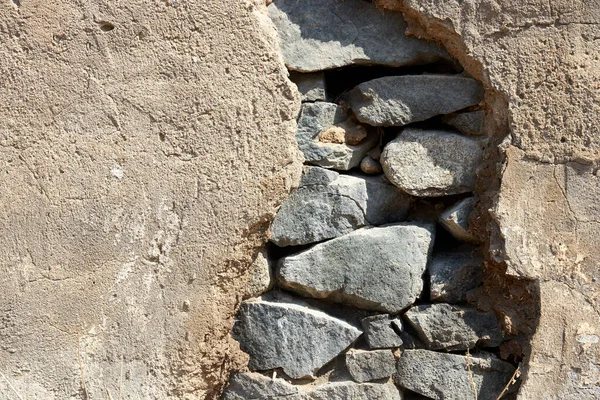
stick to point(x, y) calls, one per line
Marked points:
point(259, 276)
point(253, 386)
point(381, 331)
point(330, 137)
point(327, 205)
point(291, 336)
point(452, 275)
point(369, 365)
point(370, 166)
point(349, 391)
point(310, 86)
point(449, 327)
point(432, 163)
point(317, 35)
point(375, 153)
point(372, 268)
point(469, 123)
point(443, 376)
point(456, 220)
point(401, 100)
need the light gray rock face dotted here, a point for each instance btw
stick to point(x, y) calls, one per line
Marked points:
point(310, 86)
point(330, 137)
point(432, 163)
point(443, 376)
point(253, 386)
point(323, 34)
point(401, 100)
point(291, 336)
point(452, 275)
point(450, 327)
point(469, 123)
point(372, 268)
point(456, 220)
point(369, 365)
point(381, 331)
point(327, 205)
point(259, 276)
point(350, 391)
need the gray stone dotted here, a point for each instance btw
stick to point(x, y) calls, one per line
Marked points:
point(372, 268)
point(456, 220)
point(452, 275)
point(451, 327)
point(291, 336)
point(253, 386)
point(381, 331)
point(401, 100)
point(370, 166)
point(330, 137)
point(322, 34)
point(310, 86)
point(350, 391)
point(469, 123)
point(432, 163)
point(370, 365)
point(259, 276)
point(411, 342)
point(443, 376)
point(327, 205)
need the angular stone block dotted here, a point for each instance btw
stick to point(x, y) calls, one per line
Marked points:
point(310, 86)
point(401, 100)
point(259, 277)
point(370, 365)
point(327, 205)
point(456, 220)
point(372, 268)
point(253, 386)
point(452, 275)
point(381, 331)
point(432, 163)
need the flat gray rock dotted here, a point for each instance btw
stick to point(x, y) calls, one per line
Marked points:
point(382, 331)
point(370, 365)
point(450, 327)
point(253, 386)
point(432, 163)
point(401, 100)
point(317, 35)
point(456, 220)
point(330, 137)
point(443, 376)
point(260, 276)
point(376, 269)
point(469, 123)
point(452, 275)
point(291, 336)
point(327, 205)
point(310, 86)
point(349, 391)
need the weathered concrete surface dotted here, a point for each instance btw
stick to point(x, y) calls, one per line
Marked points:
point(542, 61)
point(138, 167)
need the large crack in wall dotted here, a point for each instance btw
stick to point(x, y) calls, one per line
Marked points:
point(374, 281)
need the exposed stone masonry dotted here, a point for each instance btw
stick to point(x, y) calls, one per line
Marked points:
point(373, 270)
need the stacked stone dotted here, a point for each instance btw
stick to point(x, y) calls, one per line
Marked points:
point(362, 305)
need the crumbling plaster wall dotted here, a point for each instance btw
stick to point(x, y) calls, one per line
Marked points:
point(543, 60)
point(138, 168)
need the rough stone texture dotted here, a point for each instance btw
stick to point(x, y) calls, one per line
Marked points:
point(291, 336)
point(253, 386)
point(539, 59)
point(456, 220)
point(372, 268)
point(310, 86)
point(445, 376)
point(432, 163)
point(451, 327)
point(260, 276)
point(328, 205)
point(381, 331)
point(370, 365)
point(322, 34)
point(350, 391)
point(401, 100)
point(452, 275)
point(336, 150)
point(469, 123)
point(139, 165)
